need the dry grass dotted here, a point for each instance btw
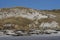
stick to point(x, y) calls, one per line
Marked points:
point(23, 22)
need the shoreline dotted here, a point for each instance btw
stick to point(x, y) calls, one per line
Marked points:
point(34, 35)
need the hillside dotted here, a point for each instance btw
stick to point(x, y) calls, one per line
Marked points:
point(21, 18)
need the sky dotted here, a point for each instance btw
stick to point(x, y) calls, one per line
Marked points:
point(35, 4)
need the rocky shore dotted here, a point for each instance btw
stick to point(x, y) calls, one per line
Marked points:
point(30, 33)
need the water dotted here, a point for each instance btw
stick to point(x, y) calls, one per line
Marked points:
point(30, 38)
